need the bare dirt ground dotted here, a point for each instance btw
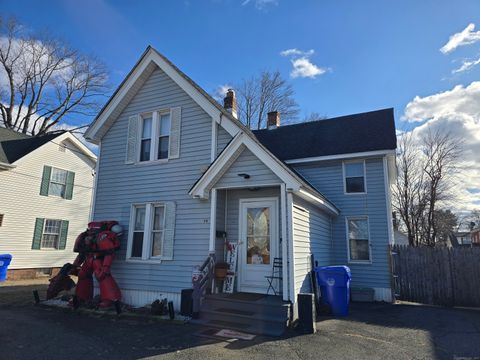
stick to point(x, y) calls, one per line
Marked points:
point(371, 331)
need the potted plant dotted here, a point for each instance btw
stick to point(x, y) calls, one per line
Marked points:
point(221, 269)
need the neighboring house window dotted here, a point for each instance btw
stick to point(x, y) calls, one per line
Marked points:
point(358, 239)
point(50, 234)
point(57, 182)
point(155, 136)
point(354, 174)
point(1, 219)
point(152, 230)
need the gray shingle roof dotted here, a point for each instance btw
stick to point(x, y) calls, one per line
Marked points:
point(369, 131)
point(14, 145)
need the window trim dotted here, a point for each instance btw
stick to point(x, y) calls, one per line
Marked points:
point(43, 233)
point(345, 177)
point(347, 237)
point(50, 181)
point(155, 136)
point(147, 232)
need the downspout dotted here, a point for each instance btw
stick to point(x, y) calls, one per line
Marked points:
point(95, 181)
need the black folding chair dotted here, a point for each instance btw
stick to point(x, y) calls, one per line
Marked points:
point(276, 275)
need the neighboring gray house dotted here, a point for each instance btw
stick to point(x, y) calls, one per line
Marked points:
point(175, 167)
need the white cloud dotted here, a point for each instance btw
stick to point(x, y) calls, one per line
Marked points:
point(261, 4)
point(465, 37)
point(466, 65)
point(296, 52)
point(302, 66)
point(458, 112)
point(220, 92)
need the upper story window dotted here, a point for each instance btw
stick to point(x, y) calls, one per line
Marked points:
point(57, 182)
point(354, 177)
point(358, 239)
point(155, 136)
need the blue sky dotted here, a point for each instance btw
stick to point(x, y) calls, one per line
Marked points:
point(366, 54)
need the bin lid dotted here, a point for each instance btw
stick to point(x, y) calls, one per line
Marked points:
point(6, 256)
point(342, 269)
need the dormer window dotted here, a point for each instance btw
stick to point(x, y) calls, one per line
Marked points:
point(354, 177)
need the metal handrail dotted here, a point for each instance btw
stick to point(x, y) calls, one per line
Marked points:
point(202, 283)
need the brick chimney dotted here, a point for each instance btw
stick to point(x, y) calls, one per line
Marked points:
point(230, 103)
point(273, 120)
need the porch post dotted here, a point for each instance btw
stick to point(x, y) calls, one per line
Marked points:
point(213, 220)
point(284, 237)
point(291, 260)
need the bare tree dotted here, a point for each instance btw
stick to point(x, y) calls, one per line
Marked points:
point(46, 80)
point(261, 94)
point(314, 116)
point(408, 189)
point(427, 167)
point(441, 152)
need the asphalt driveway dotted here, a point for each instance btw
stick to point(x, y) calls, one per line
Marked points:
point(372, 331)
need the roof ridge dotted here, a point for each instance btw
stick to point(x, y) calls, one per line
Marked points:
point(305, 123)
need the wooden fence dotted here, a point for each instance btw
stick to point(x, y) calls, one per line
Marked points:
point(438, 276)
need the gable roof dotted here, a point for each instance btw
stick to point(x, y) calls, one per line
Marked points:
point(357, 133)
point(14, 145)
point(148, 62)
point(293, 181)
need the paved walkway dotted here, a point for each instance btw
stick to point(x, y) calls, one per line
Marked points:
point(372, 331)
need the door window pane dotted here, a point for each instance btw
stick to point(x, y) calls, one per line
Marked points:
point(258, 235)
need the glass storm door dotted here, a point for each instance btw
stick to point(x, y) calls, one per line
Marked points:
point(258, 243)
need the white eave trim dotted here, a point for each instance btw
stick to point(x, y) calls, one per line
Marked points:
point(5, 166)
point(150, 56)
point(201, 188)
point(319, 202)
point(342, 156)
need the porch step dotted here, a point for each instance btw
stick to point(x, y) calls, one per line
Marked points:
point(268, 315)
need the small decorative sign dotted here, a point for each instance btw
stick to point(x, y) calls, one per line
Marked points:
point(229, 282)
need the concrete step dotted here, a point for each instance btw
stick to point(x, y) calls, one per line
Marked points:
point(252, 328)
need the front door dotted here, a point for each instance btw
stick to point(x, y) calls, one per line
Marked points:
point(258, 243)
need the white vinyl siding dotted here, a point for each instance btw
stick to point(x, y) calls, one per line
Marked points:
point(22, 205)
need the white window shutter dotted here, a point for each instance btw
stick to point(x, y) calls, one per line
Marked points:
point(132, 139)
point(169, 232)
point(175, 128)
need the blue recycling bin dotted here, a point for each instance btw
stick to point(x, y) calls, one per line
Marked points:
point(4, 262)
point(334, 282)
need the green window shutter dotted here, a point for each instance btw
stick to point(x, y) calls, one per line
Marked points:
point(37, 233)
point(63, 235)
point(169, 232)
point(69, 189)
point(47, 171)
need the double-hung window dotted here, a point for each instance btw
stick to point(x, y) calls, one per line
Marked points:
point(358, 239)
point(155, 136)
point(147, 235)
point(354, 177)
point(51, 234)
point(58, 182)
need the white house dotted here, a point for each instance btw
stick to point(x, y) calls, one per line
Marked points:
point(45, 202)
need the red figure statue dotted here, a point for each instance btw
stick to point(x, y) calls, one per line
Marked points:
point(96, 247)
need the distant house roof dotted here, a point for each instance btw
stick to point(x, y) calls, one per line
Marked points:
point(369, 131)
point(14, 145)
